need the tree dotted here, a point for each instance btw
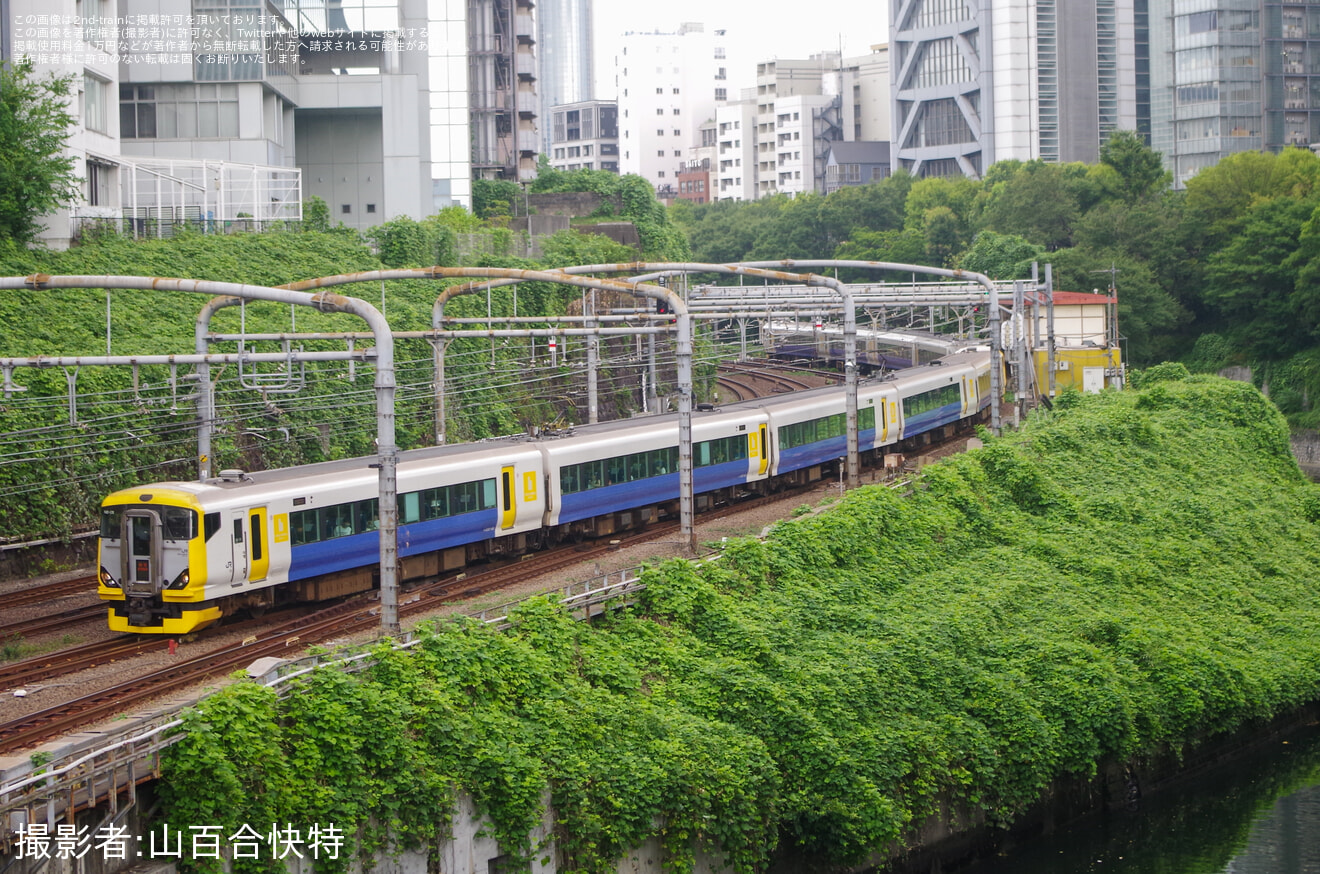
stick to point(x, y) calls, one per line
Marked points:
point(36, 175)
point(1001, 256)
point(1140, 168)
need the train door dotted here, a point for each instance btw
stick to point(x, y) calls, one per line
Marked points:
point(508, 504)
point(763, 437)
point(238, 566)
point(258, 544)
point(142, 553)
point(967, 401)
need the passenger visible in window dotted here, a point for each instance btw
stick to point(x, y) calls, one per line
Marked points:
point(343, 529)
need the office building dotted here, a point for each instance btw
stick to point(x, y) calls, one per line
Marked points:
point(1011, 79)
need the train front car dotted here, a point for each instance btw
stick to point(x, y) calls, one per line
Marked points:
point(152, 557)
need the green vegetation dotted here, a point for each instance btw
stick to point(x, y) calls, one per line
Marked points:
point(1128, 575)
point(1236, 255)
point(36, 176)
point(131, 427)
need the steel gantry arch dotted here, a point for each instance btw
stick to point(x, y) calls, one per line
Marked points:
point(678, 307)
point(233, 292)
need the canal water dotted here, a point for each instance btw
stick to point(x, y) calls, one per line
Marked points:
point(1258, 815)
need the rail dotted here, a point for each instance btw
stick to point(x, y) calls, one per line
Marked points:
point(103, 767)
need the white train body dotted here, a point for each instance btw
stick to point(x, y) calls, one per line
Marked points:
point(178, 556)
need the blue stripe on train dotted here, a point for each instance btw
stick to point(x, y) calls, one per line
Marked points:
point(360, 550)
point(652, 490)
point(932, 418)
point(831, 449)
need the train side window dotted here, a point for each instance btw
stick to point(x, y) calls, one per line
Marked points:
point(434, 503)
point(210, 525)
point(618, 470)
point(637, 466)
point(487, 490)
point(410, 508)
point(508, 490)
point(238, 530)
point(366, 515)
point(568, 479)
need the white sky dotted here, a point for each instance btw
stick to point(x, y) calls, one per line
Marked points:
point(758, 30)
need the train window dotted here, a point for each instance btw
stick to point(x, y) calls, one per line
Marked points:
point(180, 524)
point(302, 527)
point(210, 525)
point(617, 470)
point(508, 490)
point(435, 503)
point(487, 494)
point(410, 508)
point(257, 539)
point(110, 523)
point(238, 530)
point(638, 466)
point(366, 515)
point(336, 521)
point(931, 400)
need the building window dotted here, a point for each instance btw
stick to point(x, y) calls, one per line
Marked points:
point(659, 111)
point(678, 153)
point(660, 153)
point(659, 131)
point(371, 207)
point(178, 111)
point(660, 173)
point(721, 94)
point(98, 184)
point(95, 103)
point(346, 209)
point(677, 132)
point(659, 91)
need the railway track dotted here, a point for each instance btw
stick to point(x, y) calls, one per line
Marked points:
point(351, 617)
point(743, 382)
point(41, 594)
point(68, 618)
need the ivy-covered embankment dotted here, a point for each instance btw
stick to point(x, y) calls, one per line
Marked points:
point(1126, 576)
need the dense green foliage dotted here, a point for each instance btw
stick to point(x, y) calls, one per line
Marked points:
point(136, 427)
point(1237, 254)
point(1130, 574)
point(36, 176)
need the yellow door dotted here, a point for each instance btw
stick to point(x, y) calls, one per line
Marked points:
point(508, 506)
point(258, 544)
point(765, 447)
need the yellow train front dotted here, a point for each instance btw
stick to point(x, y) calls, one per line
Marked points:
point(152, 556)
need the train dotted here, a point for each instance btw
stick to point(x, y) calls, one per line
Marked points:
point(175, 557)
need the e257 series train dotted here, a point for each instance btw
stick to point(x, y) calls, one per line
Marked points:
point(175, 557)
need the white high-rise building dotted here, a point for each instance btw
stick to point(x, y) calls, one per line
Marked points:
point(668, 85)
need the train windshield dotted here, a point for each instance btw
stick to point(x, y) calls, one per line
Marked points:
point(177, 523)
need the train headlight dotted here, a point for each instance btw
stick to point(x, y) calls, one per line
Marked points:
point(108, 581)
point(181, 581)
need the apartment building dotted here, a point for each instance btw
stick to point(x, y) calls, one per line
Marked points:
point(734, 167)
point(669, 83)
